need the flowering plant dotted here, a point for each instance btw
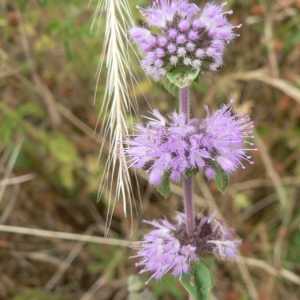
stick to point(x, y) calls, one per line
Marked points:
point(189, 39)
point(180, 42)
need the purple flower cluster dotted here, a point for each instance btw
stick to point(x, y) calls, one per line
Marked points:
point(174, 148)
point(170, 248)
point(189, 37)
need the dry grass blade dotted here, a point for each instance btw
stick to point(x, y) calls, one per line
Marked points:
point(271, 170)
point(268, 29)
point(271, 270)
point(277, 83)
point(259, 75)
point(17, 180)
point(10, 206)
point(117, 101)
point(64, 236)
point(10, 166)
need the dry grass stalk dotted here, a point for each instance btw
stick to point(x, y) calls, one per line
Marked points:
point(64, 235)
point(10, 166)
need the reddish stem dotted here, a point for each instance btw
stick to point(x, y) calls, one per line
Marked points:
point(188, 182)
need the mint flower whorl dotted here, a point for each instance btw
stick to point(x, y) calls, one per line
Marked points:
point(169, 248)
point(188, 36)
point(225, 137)
point(174, 148)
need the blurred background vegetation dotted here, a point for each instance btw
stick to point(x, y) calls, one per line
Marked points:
point(50, 166)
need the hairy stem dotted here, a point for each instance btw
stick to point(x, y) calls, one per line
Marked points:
point(188, 182)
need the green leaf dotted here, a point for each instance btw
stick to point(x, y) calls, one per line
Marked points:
point(164, 187)
point(37, 295)
point(209, 261)
point(43, 3)
point(22, 4)
point(182, 77)
point(168, 284)
point(96, 267)
point(66, 176)
point(31, 109)
point(222, 180)
point(198, 282)
point(190, 171)
point(170, 87)
point(61, 148)
point(7, 127)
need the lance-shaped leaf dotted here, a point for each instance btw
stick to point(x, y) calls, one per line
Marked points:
point(222, 180)
point(164, 187)
point(170, 87)
point(198, 282)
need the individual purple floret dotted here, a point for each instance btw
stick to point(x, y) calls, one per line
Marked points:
point(188, 36)
point(170, 248)
point(173, 148)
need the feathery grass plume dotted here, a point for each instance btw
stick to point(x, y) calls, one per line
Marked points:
point(117, 101)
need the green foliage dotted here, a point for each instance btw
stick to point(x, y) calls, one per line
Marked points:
point(22, 4)
point(293, 250)
point(199, 281)
point(242, 201)
point(164, 187)
point(11, 120)
point(37, 295)
point(55, 146)
point(104, 256)
point(182, 77)
point(32, 109)
point(222, 180)
point(7, 130)
point(169, 284)
point(190, 171)
point(61, 148)
point(170, 87)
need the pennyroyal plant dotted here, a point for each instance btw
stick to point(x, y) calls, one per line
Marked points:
point(179, 42)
